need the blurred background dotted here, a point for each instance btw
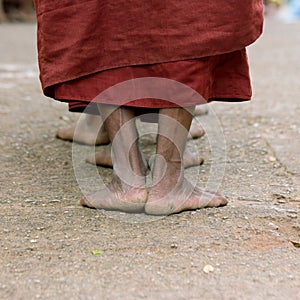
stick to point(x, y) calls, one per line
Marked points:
point(17, 10)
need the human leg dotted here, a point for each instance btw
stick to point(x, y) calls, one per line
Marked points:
point(89, 128)
point(171, 192)
point(90, 132)
point(127, 191)
point(103, 158)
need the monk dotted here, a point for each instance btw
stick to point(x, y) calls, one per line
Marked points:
point(84, 51)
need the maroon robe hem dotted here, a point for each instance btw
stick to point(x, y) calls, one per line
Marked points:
point(77, 39)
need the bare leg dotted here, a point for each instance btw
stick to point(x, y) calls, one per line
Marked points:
point(190, 159)
point(103, 158)
point(127, 191)
point(171, 192)
point(85, 134)
point(89, 128)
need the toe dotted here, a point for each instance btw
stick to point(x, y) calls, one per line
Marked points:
point(64, 134)
point(85, 203)
point(218, 201)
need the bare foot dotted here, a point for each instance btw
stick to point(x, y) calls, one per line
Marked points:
point(102, 157)
point(183, 197)
point(118, 196)
point(88, 132)
point(171, 193)
point(195, 131)
point(191, 159)
point(201, 109)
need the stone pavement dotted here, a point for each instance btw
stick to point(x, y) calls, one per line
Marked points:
point(247, 250)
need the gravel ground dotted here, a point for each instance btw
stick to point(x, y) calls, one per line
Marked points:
point(246, 250)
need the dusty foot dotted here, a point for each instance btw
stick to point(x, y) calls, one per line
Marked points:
point(195, 131)
point(85, 133)
point(118, 196)
point(183, 197)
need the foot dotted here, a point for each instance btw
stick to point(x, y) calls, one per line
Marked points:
point(102, 157)
point(195, 131)
point(183, 197)
point(88, 132)
point(118, 196)
point(191, 159)
point(201, 109)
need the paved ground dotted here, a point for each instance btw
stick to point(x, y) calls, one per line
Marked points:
point(47, 239)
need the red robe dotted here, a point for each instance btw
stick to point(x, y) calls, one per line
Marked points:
point(82, 38)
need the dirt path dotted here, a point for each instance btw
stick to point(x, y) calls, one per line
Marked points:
point(47, 239)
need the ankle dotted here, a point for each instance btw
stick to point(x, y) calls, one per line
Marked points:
point(128, 182)
point(169, 176)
